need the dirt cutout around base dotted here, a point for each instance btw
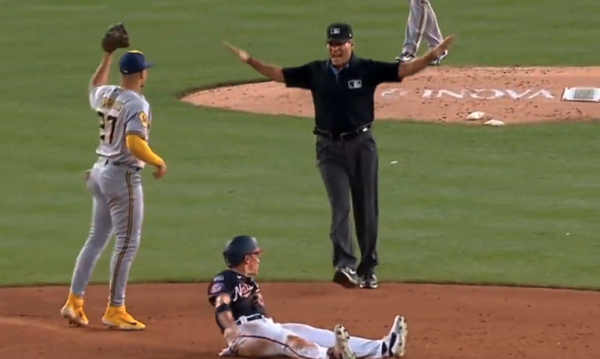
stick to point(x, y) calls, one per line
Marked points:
point(444, 322)
point(438, 94)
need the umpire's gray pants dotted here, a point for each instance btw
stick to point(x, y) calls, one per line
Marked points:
point(349, 169)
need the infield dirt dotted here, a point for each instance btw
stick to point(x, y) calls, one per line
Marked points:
point(445, 322)
point(438, 94)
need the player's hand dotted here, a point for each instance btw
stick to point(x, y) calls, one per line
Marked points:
point(443, 46)
point(241, 54)
point(86, 175)
point(160, 170)
point(231, 334)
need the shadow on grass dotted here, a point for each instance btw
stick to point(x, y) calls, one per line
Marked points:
point(267, 280)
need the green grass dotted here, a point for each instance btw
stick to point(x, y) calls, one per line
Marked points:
point(461, 205)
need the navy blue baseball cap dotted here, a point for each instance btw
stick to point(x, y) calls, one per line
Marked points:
point(132, 62)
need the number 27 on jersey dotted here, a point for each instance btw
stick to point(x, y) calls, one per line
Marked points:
point(107, 127)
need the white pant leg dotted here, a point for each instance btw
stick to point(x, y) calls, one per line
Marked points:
point(415, 25)
point(363, 348)
point(264, 338)
point(432, 33)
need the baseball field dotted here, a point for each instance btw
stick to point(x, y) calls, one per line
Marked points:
point(500, 208)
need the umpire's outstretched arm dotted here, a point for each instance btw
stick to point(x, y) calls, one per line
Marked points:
point(406, 69)
point(275, 73)
point(417, 65)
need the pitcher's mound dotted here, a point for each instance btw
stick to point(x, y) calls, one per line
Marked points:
point(442, 94)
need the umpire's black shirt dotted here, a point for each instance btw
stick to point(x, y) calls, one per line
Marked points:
point(343, 100)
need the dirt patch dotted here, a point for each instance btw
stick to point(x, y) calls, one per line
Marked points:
point(439, 94)
point(444, 321)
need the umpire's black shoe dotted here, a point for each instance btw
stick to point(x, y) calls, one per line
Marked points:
point(369, 281)
point(346, 277)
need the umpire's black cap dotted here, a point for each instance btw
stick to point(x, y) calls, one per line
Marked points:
point(339, 32)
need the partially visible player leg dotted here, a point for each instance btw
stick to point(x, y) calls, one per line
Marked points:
point(392, 345)
point(100, 232)
point(123, 189)
point(267, 339)
point(432, 33)
point(413, 33)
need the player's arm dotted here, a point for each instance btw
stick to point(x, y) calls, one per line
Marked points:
point(223, 312)
point(138, 147)
point(97, 87)
point(100, 76)
point(136, 132)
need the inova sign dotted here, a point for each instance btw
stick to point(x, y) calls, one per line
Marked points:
point(479, 94)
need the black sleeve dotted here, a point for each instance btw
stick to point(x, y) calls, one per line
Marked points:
point(300, 76)
point(220, 284)
point(381, 72)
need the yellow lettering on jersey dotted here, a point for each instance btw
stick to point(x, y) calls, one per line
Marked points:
point(144, 118)
point(107, 102)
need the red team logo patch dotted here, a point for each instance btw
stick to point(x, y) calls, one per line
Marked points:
point(216, 287)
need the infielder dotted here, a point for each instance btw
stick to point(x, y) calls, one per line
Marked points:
point(422, 23)
point(115, 180)
point(249, 331)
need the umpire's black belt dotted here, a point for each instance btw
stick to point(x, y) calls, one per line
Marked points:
point(249, 318)
point(341, 135)
point(106, 161)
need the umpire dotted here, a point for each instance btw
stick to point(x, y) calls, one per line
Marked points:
point(343, 89)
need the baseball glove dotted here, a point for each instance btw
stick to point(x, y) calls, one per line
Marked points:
point(115, 38)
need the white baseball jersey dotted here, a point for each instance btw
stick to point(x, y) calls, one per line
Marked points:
point(121, 112)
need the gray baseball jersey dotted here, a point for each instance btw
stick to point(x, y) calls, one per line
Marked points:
point(121, 112)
